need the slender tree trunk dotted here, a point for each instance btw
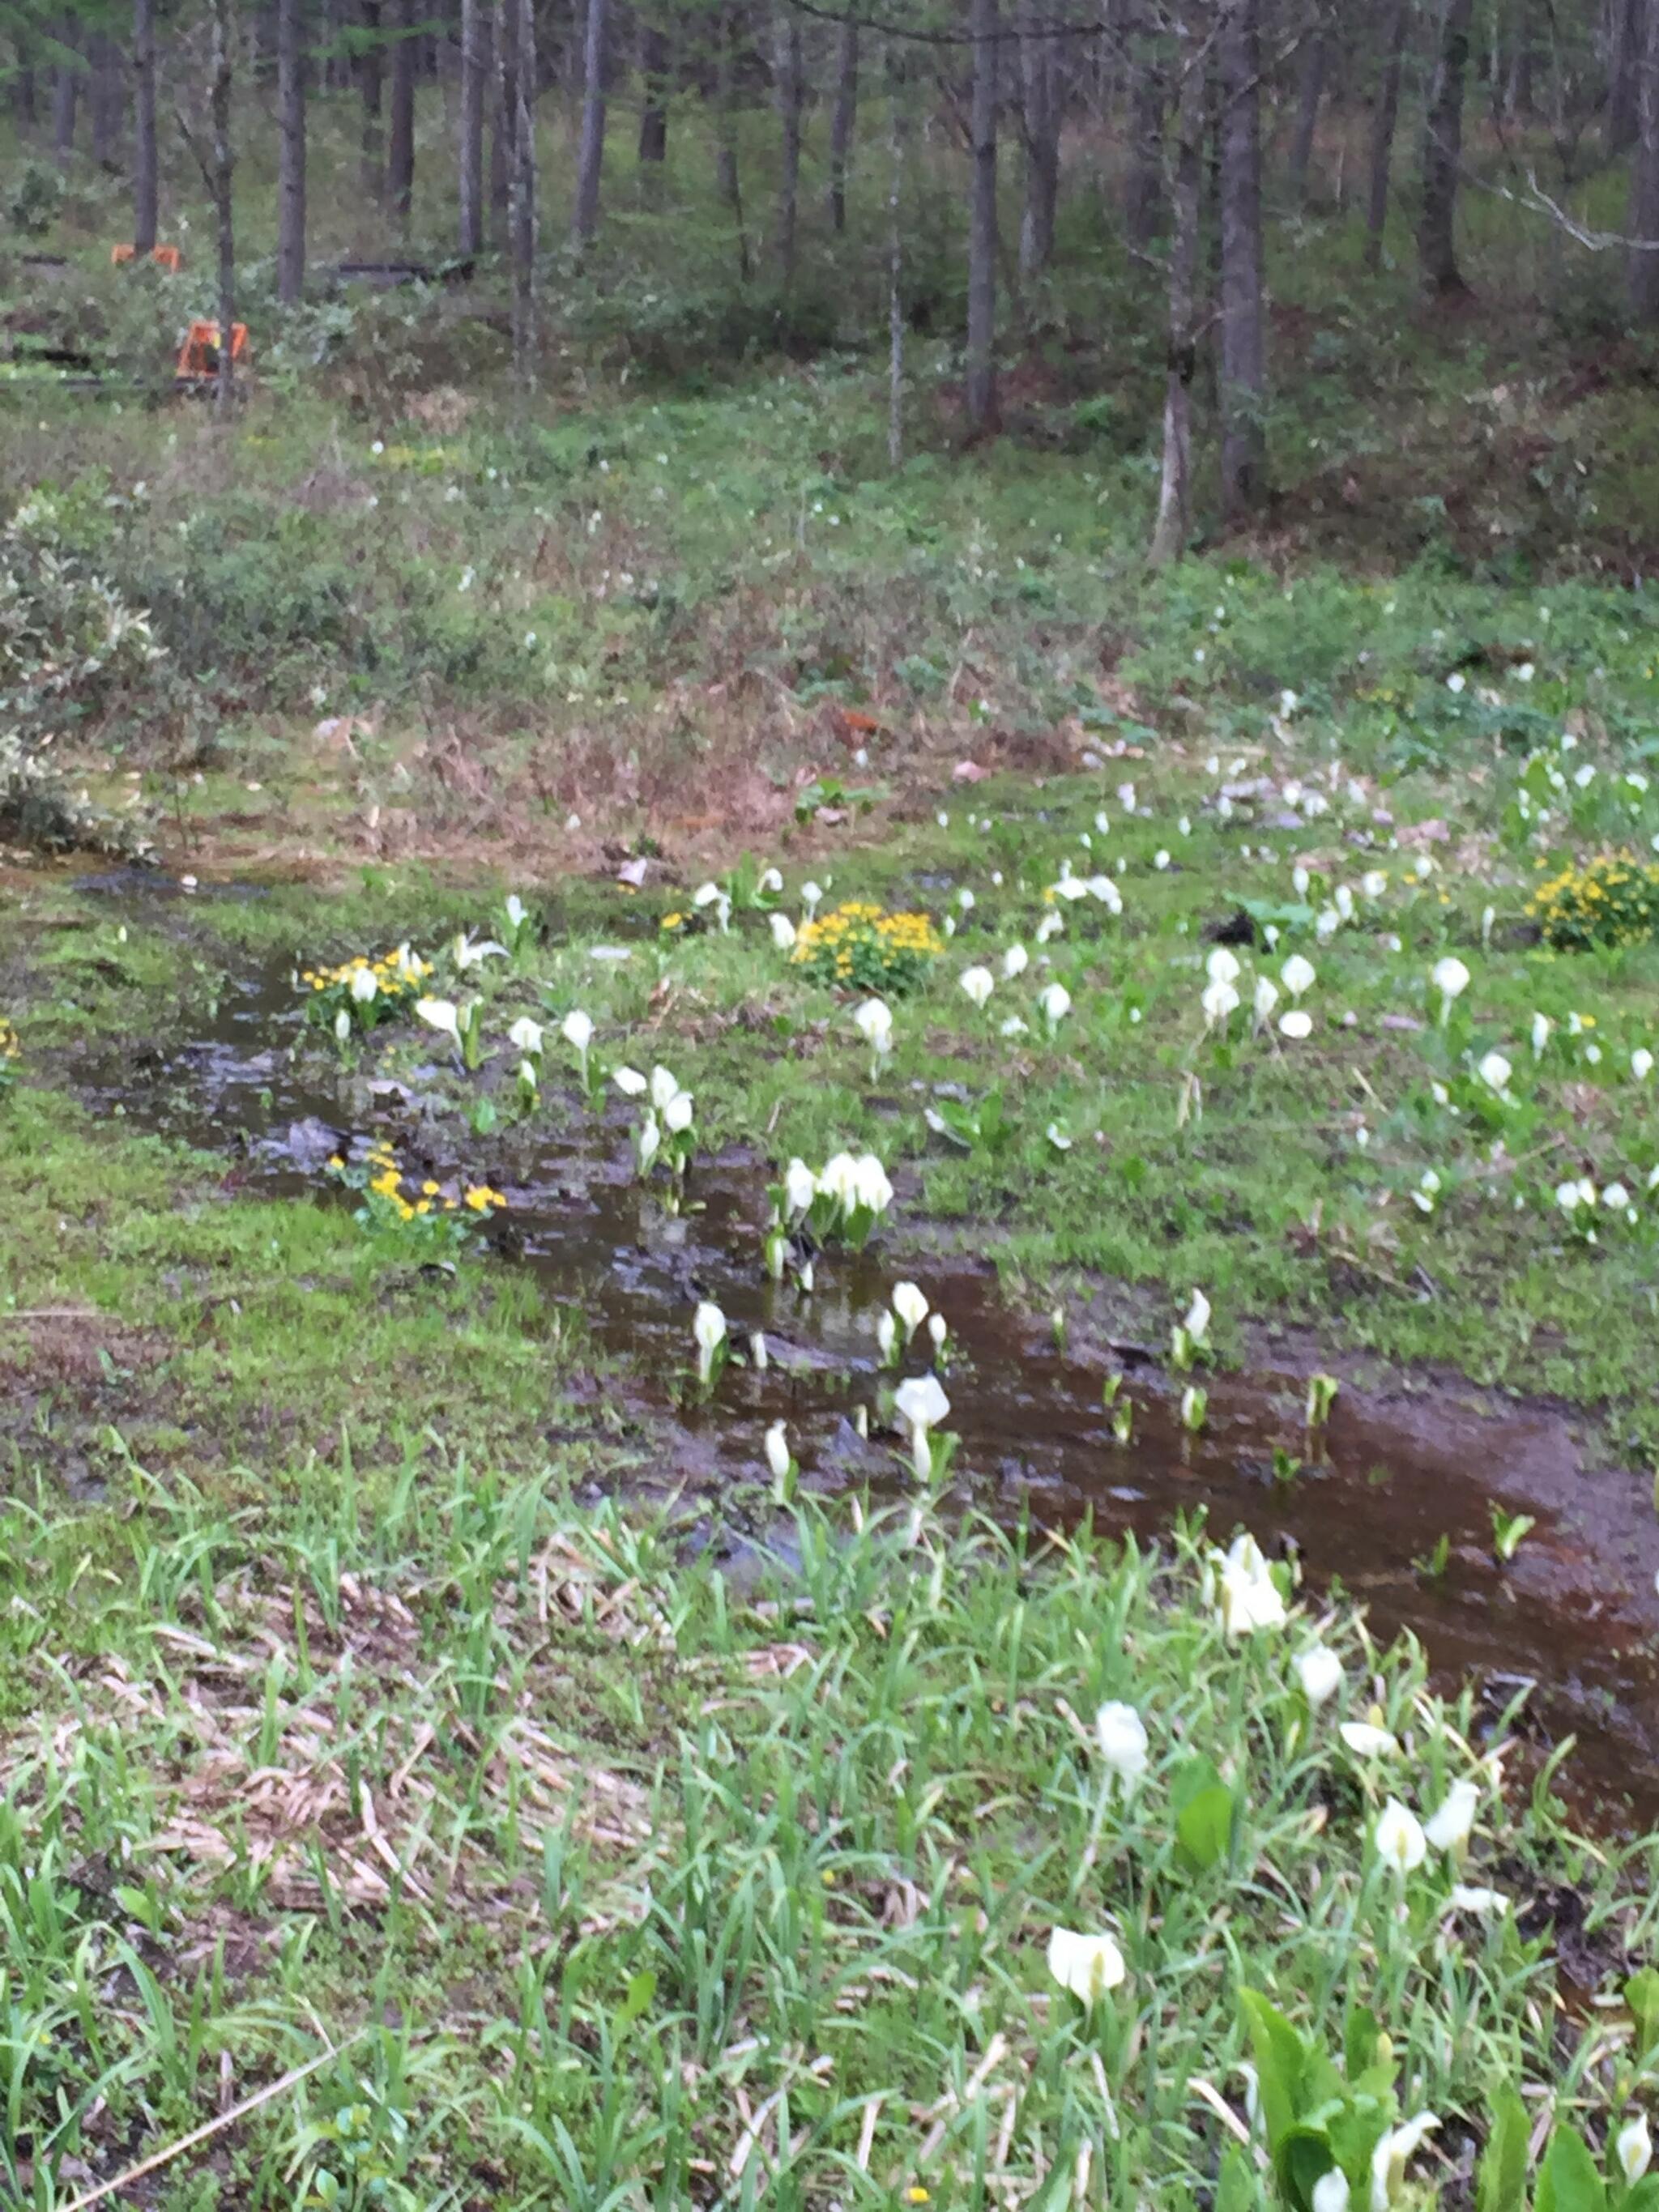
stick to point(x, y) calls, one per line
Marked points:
point(1174, 525)
point(524, 194)
point(654, 108)
point(224, 168)
point(1310, 90)
point(1644, 265)
point(895, 262)
point(371, 76)
point(104, 98)
point(726, 180)
point(146, 177)
point(983, 222)
point(1039, 89)
point(1144, 196)
point(24, 101)
point(65, 97)
point(842, 120)
point(291, 151)
point(475, 77)
point(1384, 117)
point(400, 150)
point(1442, 150)
point(1244, 343)
point(1521, 95)
point(792, 100)
point(590, 161)
point(502, 136)
point(1624, 74)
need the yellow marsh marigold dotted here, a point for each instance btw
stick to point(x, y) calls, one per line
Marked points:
point(857, 947)
point(1612, 900)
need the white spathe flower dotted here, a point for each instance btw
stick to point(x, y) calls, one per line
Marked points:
point(1050, 926)
point(1641, 1063)
point(1087, 1966)
point(678, 1113)
point(1633, 2148)
point(1373, 883)
point(527, 1074)
point(1388, 2160)
point(1056, 1003)
point(440, 1014)
point(978, 983)
point(921, 1402)
point(910, 1304)
point(1495, 1071)
point(1298, 975)
point(1104, 889)
point(1615, 1197)
point(810, 896)
point(663, 1087)
point(1541, 1026)
point(1015, 960)
point(1330, 2192)
point(1399, 1838)
point(874, 1019)
point(364, 985)
point(777, 1450)
point(870, 1185)
point(1450, 978)
point(341, 1026)
point(1012, 1027)
point(1449, 1829)
point(886, 1336)
point(650, 1142)
point(1367, 1740)
point(515, 910)
point(938, 1330)
point(468, 953)
point(771, 880)
point(783, 932)
point(525, 1037)
point(629, 1082)
point(1221, 967)
point(1123, 1742)
point(800, 1187)
point(1219, 1001)
point(839, 1179)
point(1319, 1672)
point(1468, 1898)
point(1265, 999)
point(1248, 1601)
point(707, 895)
point(1196, 1323)
point(577, 1028)
point(1295, 1024)
point(709, 1328)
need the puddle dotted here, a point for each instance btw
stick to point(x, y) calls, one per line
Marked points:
point(1394, 1471)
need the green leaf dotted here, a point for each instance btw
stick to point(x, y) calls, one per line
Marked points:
point(1302, 2160)
point(1280, 2057)
point(1644, 2198)
point(1568, 2180)
point(1203, 1815)
point(1235, 2185)
point(641, 1990)
point(1359, 2033)
point(1642, 1995)
point(1501, 2181)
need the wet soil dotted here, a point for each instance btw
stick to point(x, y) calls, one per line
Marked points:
point(1574, 1619)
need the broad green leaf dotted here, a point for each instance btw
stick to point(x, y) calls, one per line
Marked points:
point(641, 1990)
point(1203, 1815)
point(1501, 2181)
point(1236, 2186)
point(1280, 2056)
point(1642, 1995)
point(1568, 2180)
point(1302, 2158)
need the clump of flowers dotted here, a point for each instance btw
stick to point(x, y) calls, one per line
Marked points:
point(361, 994)
point(1612, 900)
point(11, 1051)
point(857, 947)
point(435, 1222)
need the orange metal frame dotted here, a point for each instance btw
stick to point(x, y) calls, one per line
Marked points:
point(198, 356)
point(164, 257)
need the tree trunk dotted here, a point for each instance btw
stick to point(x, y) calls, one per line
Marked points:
point(1310, 90)
point(981, 392)
point(1174, 525)
point(1443, 149)
point(291, 151)
point(1244, 345)
point(1383, 120)
point(653, 109)
point(894, 264)
point(24, 105)
point(1038, 88)
point(224, 163)
point(400, 150)
point(1624, 75)
point(475, 76)
point(105, 99)
point(371, 75)
point(524, 193)
point(146, 178)
point(1644, 265)
point(842, 120)
point(726, 181)
point(591, 160)
point(1520, 94)
point(502, 136)
point(1143, 195)
point(791, 100)
point(66, 97)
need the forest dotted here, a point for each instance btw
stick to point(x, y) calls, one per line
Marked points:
point(829, 1105)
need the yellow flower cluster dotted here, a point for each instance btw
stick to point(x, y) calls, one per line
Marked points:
point(1612, 900)
point(9, 1047)
point(860, 947)
point(395, 973)
point(386, 1180)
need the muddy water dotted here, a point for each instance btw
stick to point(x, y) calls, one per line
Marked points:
point(1576, 1613)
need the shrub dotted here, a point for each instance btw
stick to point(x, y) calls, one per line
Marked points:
point(859, 948)
point(1612, 900)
